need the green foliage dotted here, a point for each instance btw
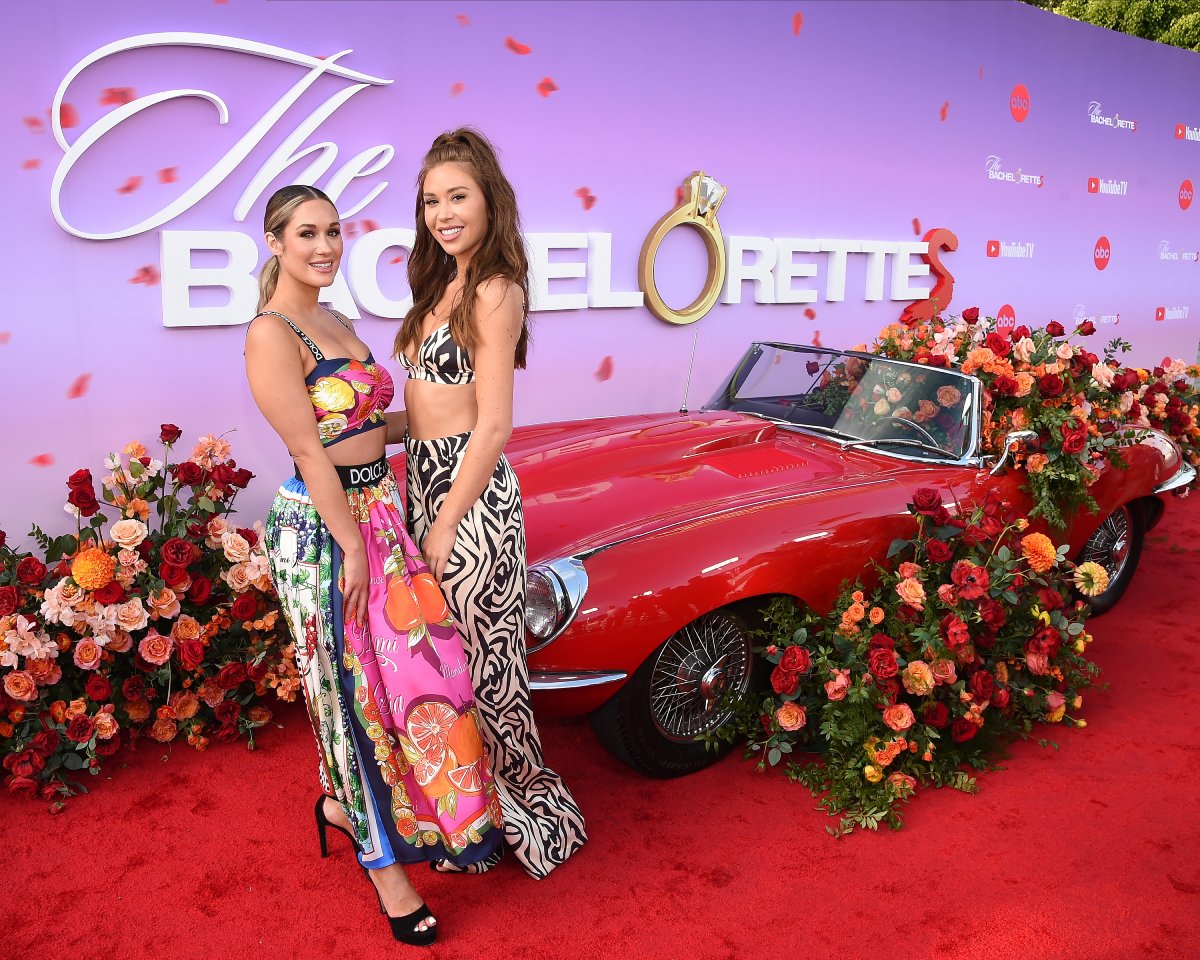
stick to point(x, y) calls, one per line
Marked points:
point(1174, 22)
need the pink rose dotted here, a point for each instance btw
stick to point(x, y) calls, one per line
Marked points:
point(1037, 663)
point(909, 569)
point(155, 648)
point(87, 654)
point(836, 688)
point(944, 671)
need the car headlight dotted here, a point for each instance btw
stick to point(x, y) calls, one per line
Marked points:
point(553, 594)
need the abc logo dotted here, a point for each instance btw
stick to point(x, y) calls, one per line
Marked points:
point(1006, 319)
point(1102, 253)
point(1185, 194)
point(1018, 102)
point(1160, 314)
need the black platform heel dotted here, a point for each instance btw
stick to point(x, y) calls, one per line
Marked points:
point(404, 929)
point(323, 822)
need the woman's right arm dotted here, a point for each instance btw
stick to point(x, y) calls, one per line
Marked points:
point(276, 374)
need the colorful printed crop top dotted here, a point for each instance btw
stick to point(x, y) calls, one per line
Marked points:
point(349, 396)
point(440, 360)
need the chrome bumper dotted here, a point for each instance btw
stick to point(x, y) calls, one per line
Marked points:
point(572, 681)
point(1183, 476)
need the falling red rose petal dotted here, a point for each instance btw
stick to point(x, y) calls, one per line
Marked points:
point(810, 313)
point(147, 275)
point(605, 370)
point(678, 196)
point(462, 19)
point(917, 226)
point(80, 386)
point(116, 96)
point(31, 164)
point(945, 109)
point(981, 73)
point(816, 340)
point(797, 22)
point(588, 198)
point(42, 460)
point(168, 174)
point(130, 185)
point(34, 124)
point(517, 47)
point(397, 259)
point(5, 337)
point(68, 116)
point(369, 225)
point(350, 228)
point(457, 88)
point(546, 86)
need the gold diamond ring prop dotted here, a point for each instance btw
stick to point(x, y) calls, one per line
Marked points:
point(702, 197)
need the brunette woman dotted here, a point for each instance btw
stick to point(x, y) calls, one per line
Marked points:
point(383, 668)
point(460, 343)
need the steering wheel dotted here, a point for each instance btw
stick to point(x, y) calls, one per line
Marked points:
point(916, 426)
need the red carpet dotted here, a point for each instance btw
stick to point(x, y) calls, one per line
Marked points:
point(1091, 851)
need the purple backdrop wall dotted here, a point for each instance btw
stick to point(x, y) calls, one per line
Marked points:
point(1029, 136)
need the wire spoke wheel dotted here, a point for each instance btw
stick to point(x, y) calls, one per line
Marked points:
point(695, 672)
point(1109, 545)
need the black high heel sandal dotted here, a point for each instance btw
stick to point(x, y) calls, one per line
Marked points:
point(404, 929)
point(323, 822)
point(481, 866)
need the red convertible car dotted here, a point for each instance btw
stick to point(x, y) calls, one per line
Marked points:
point(654, 540)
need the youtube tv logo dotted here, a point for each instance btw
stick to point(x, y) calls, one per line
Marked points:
point(1093, 184)
point(1160, 314)
point(993, 248)
point(1180, 131)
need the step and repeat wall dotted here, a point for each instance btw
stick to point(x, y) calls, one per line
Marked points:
point(993, 153)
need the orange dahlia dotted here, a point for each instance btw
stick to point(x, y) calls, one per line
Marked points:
point(1038, 549)
point(93, 568)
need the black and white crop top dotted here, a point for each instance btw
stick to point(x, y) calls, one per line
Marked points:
point(440, 360)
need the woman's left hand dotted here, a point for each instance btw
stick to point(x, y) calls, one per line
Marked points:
point(438, 545)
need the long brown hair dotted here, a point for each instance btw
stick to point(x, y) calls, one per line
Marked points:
point(280, 210)
point(501, 254)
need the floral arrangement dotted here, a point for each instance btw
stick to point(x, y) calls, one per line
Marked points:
point(1082, 406)
point(967, 639)
point(160, 621)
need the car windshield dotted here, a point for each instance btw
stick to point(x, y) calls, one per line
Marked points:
point(896, 407)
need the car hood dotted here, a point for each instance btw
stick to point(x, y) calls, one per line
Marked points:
point(588, 483)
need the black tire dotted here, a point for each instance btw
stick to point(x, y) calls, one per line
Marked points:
point(1117, 546)
point(652, 722)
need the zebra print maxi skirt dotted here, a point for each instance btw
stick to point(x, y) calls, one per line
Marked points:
point(484, 583)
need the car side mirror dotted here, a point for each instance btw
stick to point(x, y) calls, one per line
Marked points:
point(1012, 440)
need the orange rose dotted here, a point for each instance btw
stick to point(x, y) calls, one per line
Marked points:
point(106, 725)
point(43, 670)
point(137, 710)
point(155, 648)
point(186, 628)
point(912, 593)
point(790, 717)
point(77, 708)
point(87, 654)
point(163, 603)
point(876, 616)
point(258, 714)
point(185, 705)
point(899, 716)
point(1036, 462)
point(163, 730)
point(949, 396)
point(20, 685)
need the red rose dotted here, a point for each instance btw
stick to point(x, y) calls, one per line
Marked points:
point(200, 590)
point(222, 475)
point(241, 478)
point(134, 689)
point(926, 501)
point(84, 500)
point(227, 711)
point(46, 742)
point(1006, 386)
point(98, 688)
point(1055, 329)
point(1046, 640)
point(106, 748)
point(974, 535)
point(1074, 437)
point(939, 360)
point(1049, 599)
point(80, 478)
point(971, 314)
point(941, 516)
point(24, 764)
point(992, 613)
point(1087, 328)
point(938, 551)
point(1051, 384)
point(31, 571)
point(189, 474)
point(227, 733)
point(999, 345)
point(172, 574)
point(245, 607)
point(1019, 333)
point(233, 674)
point(881, 641)
point(1001, 698)
point(256, 671)
point(972, 581)
point(992, 527)
point(795, 659)
point(784, 682)
point(882, 663)
point(191, 653)
point(981, 686)
point(22, 785)
point(3, 538)
point(888, 689)
point(111, 592)
point(169, 433)
point(80, 728)
point(248, 535)
point(179, 552)
point(955, 632)
point(962, 730)
point(1125, 380)
point(8, 601)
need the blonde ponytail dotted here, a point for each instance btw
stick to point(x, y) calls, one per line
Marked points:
point(268, 277)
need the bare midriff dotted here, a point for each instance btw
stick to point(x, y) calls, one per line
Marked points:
point(439, 409)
